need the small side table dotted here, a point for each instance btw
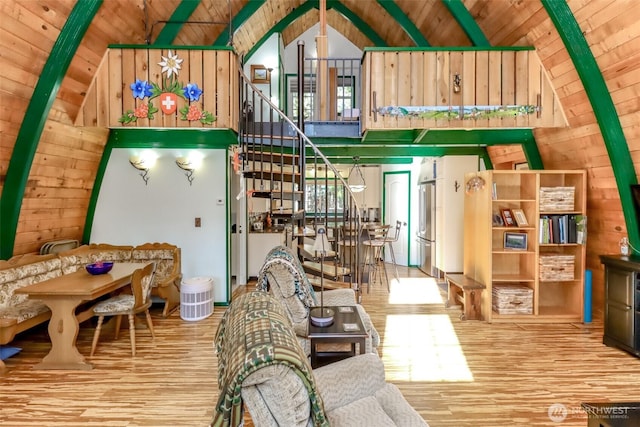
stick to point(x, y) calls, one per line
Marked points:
point(347, 327)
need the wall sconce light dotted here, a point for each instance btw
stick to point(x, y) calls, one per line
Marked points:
point(187, 165)
point(457, 80)
point(143, 164)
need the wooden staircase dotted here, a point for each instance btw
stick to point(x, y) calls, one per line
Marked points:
point(275, 168)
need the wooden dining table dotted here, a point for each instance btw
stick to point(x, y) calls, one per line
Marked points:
point(63, 295)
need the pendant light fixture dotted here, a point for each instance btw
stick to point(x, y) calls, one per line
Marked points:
point(358, 184)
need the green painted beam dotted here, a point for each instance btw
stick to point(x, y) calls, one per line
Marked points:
point(407, 24)
point(166, 138)
point(360, 24)
point(241, 17)
point(35, 117)
point(603, 108)
point(395, 152)
point(281, 25)
point(153, 138)
point(373, 160)
point(180, 15)
point(532, 155)
point(449, 49)
point(466, 21)
point(485, 137)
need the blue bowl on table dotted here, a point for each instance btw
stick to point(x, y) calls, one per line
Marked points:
point(99, 267)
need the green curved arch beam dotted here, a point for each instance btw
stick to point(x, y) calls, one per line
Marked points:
point(466, 21)
point(176, 22)
point(245, 13)
point(315, 4)
point(44, 94)
point(407, 24)
point(603, 108)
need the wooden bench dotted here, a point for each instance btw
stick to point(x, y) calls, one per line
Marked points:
point(467, 292)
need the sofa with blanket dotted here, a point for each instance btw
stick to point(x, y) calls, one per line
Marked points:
point(262, 367)
point(19, 312)
point(283, 276)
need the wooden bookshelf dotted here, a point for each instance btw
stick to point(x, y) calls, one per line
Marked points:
point(554, 271)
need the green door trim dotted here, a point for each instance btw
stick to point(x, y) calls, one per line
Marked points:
point(603, 108)
point(36, 114)
point(384, 197)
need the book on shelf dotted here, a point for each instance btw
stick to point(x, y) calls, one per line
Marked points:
point(562, 229)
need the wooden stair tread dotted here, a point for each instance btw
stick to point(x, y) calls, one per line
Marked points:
point(309, 253)
point(329, 269)
point(328, 284)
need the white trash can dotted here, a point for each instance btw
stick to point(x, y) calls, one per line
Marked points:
point(196, 298)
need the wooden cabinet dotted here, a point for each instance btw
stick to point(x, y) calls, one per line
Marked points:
point(546, 254)
point(259, 245)
point(622, 302)
point(449, 207)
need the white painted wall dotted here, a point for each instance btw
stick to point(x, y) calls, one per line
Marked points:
point(128, 212)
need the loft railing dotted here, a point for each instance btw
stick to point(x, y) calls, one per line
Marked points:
point(331, 89)
point(286, 175)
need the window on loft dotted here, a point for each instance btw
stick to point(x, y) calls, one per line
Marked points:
point(343, 95)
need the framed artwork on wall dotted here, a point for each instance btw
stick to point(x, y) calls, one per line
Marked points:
point(260, 74)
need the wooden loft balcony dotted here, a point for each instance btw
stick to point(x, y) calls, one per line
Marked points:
point(468, 88)
point(202, 92)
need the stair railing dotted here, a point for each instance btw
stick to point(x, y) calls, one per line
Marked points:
point(275, 154)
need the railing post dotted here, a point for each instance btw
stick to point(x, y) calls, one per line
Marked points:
point(301, 144)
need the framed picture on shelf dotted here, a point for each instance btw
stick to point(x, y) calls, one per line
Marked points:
point(497, 220)
point(507, 217)
point(520, 217)
point(516, 241)
point(260, 74)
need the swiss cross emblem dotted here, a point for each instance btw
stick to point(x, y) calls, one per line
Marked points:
point(168, 102)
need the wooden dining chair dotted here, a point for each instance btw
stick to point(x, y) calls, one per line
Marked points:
point(373, 253)
point(128, 304)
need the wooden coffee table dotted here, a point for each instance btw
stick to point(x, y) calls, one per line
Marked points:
point(347, 327)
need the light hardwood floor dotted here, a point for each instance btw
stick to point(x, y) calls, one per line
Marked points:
point(455, 373)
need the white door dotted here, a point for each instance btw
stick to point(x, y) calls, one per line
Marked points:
point(396, 208)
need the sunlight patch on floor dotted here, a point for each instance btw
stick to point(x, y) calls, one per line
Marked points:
point(414, 290)
point(422, 347)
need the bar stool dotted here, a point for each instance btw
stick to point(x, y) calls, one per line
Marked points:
point(373, 255)
point(390, 241)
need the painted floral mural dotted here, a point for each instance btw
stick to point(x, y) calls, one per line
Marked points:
point(168, 93)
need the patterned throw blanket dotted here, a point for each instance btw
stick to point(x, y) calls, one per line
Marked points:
point(255, 332)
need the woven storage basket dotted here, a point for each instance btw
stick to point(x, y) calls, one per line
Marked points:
point(557, 267)
point(557, 199)
point(512, 299)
